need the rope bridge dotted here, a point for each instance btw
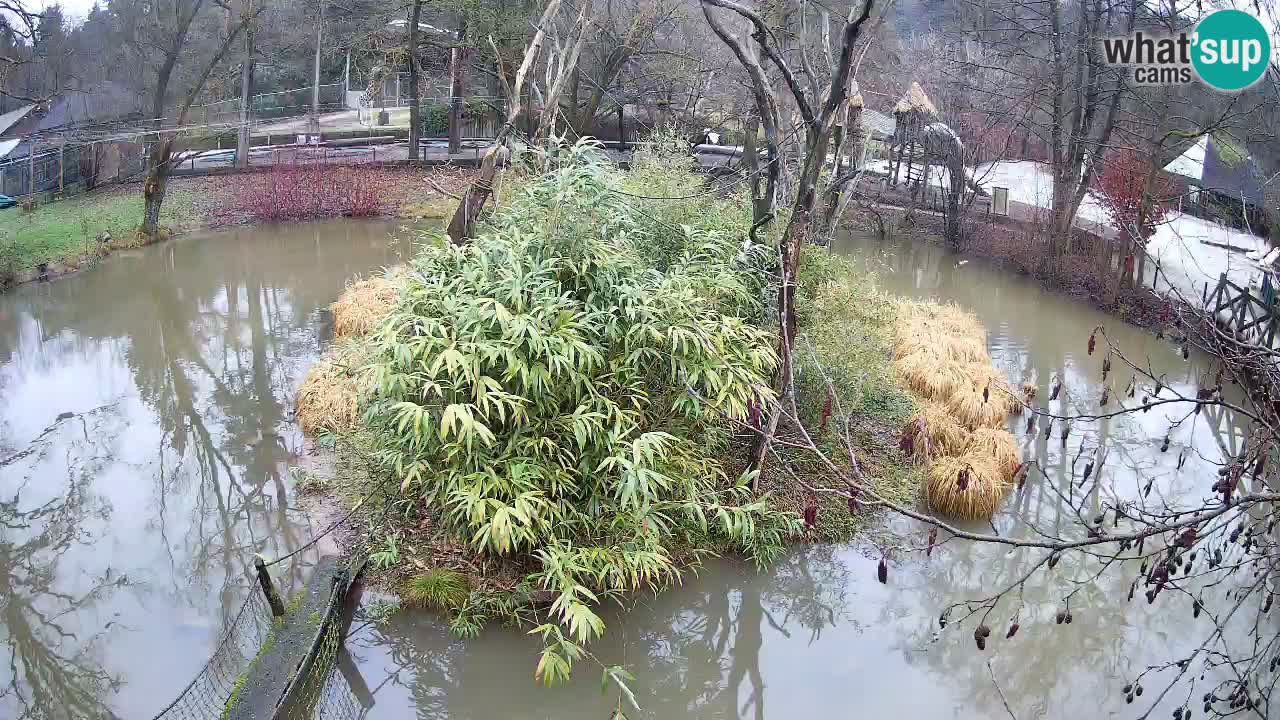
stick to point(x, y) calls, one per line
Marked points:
point(278, 662)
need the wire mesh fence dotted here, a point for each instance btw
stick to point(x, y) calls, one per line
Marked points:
point(282, 104)
point(325, 684)
point(206, 697)
point(330, 686)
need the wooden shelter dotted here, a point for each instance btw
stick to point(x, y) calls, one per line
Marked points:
point(912, 114)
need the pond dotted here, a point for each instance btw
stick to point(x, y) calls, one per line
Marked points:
point(816, 635)
point(146, 442)
point(126, 527)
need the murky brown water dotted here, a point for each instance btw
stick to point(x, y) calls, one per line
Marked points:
point(125, 529)
point(125, 533)
point(817, 636)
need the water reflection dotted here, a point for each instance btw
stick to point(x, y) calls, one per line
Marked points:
point(146, 439)
point(817, 636)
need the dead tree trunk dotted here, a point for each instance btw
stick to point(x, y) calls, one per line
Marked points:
point(457, 87)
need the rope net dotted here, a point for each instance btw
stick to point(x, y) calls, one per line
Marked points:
point(327, 683)
point(206, 697)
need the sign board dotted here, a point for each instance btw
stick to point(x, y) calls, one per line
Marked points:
point(1000, 201)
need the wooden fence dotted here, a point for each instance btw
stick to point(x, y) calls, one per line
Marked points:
point(1239, 310)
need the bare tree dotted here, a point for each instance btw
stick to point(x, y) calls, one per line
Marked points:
point(817, 107)
point(164, 39)
point(462, 223)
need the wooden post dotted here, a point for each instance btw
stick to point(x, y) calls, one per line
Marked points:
point(62, 173)
point(31, 170)
point(268, 587)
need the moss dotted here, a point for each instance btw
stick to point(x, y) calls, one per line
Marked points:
point(243, 679)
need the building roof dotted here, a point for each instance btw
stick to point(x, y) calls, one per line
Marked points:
point(1221, 166)
point(11, 118)
point(7, 146)
point(878, 125)
point(1190, 164)
point(401, 23)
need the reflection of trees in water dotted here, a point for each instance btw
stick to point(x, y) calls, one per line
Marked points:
point(213, 335)
point(695, 654)
point(50, 671)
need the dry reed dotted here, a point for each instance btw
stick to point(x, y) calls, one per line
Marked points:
point(930, 373)
point(329, 399)
point(363, 305)
point(996, 445)
point(934, 432)
point(969, 487)
point(940, 353)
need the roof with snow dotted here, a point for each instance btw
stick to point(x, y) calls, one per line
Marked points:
point(1190, 164)
point(7, 146)
point(1219, 166)
point(879, 125)
point(914, 100)
point(11, 118)
point(423, 27)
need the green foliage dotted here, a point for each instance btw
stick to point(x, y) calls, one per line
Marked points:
point(557, 390)
point(67, 230)
point(381, 611)
point(847, 338)
point(387, 555)
point(438, 588)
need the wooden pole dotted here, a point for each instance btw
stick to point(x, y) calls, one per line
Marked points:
point(31, 170)
point(268, 587)
point(62, 174)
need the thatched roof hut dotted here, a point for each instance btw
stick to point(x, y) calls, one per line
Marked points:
point(915, 101)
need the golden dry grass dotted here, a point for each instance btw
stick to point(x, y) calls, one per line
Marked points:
point(997, 445)
point(363, 305)
point(940, 353)
point(982, 375)
point(930, 373)
point(936, 433)
point(980, 497)
point(974, 411)
point(329, 399)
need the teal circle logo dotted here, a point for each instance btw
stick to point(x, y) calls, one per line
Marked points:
point(1231, 50)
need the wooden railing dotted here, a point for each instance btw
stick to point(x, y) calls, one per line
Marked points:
point(1246, 314)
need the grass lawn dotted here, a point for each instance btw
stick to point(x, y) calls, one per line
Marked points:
point(66, 231)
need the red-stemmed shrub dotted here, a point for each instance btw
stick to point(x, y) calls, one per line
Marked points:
point(292, 192)
point(1121, 188)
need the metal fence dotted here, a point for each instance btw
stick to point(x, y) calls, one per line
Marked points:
point(272, 106)
point(60, 170)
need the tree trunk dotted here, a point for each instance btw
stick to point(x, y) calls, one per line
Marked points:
point(462, 223)
point(457, 86)
point(415, 94)
point(246, 102)
point(153, 189)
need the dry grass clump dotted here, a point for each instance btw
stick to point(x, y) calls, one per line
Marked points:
point(969, 487)
point(329, 399)
point(929, 373)
point(934, 432)
point(940, 353)
point(975, 412)
point(996, 445)
point(364, 304)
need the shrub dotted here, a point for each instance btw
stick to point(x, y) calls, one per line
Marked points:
point(548, 394)
point(1015, 247)
point(309, 191)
